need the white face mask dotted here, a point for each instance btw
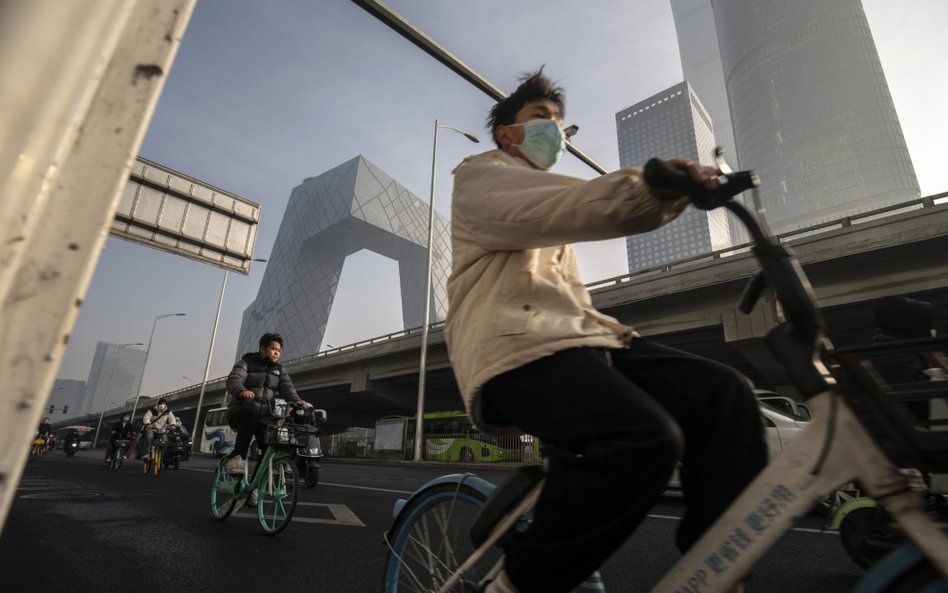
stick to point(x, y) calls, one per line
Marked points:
point(162, 407)
point(543, 142)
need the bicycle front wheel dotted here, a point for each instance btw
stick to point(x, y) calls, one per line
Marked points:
point(223, 492)
point(277, 497)
point(432, 539)
point(156, 460)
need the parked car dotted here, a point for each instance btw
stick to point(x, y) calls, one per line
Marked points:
point(783, 403)
point(780, 427)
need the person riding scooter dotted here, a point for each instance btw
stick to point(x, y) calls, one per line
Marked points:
point(71, 442)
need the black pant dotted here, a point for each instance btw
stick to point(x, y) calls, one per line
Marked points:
point(249, 422)
point(617, 434)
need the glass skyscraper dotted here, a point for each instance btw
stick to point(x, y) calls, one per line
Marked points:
point(672, 123)
point(701, 67)
point(114, 376)
point(810, 108)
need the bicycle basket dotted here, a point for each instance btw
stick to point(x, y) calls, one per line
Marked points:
point(288, 434)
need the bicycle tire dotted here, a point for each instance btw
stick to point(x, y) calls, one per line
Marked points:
point(145, 467)
point(865, 536)
point(116, 460)
point(278, 495)
point(431, 539)
point(223, 493)
point(923, 577)
point(906, 570)
point(156, 461)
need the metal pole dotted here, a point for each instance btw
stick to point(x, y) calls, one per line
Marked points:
point(141, 377)
point(420, 412)
point(210, 351)
point(409, 31)
point(207, 365)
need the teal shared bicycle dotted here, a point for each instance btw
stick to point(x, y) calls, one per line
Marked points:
point(276, 478)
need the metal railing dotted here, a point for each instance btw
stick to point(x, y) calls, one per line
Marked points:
point(473, 447)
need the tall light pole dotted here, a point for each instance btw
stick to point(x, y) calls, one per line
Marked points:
point(419, 415)
point(147, 351)
point(108, 390)
point(210, 351)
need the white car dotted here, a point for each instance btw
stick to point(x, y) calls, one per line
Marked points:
point(783, 403)
point(780, 428)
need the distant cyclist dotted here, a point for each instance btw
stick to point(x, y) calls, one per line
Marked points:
point(44, 429)
point(256, 379)
point(121, 430)
point(157, 419)
point(44, 432)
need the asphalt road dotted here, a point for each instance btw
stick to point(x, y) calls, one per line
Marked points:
point(78, 526)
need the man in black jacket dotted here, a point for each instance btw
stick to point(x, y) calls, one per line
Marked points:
point(252, 385)
point(122, 429)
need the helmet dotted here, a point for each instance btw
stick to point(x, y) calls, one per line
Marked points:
point(125, 418)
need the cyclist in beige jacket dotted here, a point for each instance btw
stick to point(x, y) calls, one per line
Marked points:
point(532, 355)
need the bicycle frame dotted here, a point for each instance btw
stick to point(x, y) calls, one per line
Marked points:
point(833, 449)
point(247, 485)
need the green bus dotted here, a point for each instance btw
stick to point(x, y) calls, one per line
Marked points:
point(450, 436)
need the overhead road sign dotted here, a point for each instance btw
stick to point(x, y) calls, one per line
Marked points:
point(171, 211)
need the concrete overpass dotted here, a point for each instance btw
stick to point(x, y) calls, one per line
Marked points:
point(689, 305)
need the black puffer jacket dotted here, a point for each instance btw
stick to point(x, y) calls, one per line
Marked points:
point(267, 380)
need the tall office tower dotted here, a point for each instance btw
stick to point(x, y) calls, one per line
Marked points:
point(672, 123)
point(114, 376)
point(701, 67)
point(811, 109)
point(352, 207)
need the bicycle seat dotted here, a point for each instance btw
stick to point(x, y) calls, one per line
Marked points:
point(504, 498)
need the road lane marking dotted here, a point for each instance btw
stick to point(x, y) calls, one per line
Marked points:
point(342, 515)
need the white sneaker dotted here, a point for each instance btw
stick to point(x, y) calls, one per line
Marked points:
point(235, 465)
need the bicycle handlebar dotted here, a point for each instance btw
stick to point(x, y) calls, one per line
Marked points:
point(662, 175)
point(797, 342)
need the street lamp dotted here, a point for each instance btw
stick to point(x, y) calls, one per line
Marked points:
point(108, 389)
point(424, 328)
point(147, 351)
point(210, 350)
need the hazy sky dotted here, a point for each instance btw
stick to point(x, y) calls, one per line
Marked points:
point(265, 94)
